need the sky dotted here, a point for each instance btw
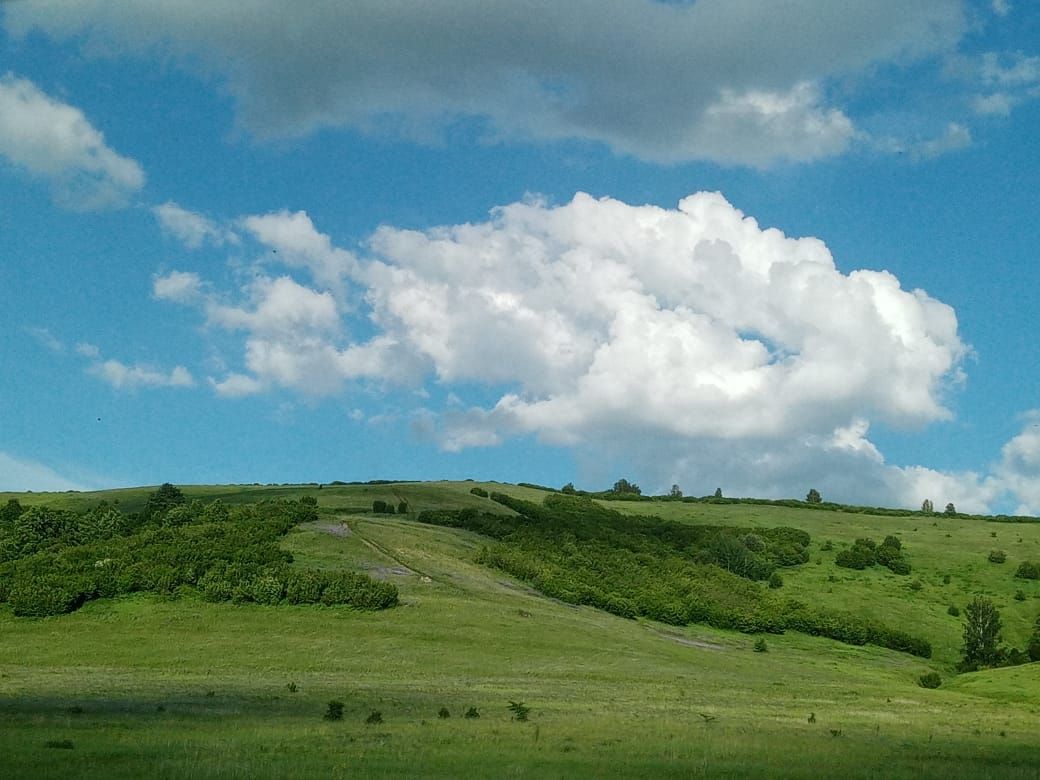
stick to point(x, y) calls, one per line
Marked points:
point(716, 243)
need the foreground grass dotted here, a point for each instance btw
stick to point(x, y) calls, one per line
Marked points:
point(147, 687)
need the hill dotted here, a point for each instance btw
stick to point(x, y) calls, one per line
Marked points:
point(179, 686)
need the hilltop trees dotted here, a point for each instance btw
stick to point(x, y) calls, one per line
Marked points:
point(950, 509)
point(624, 486)
point(927, 506)
point(163, 499)
point(813, 496)
point(675, 492)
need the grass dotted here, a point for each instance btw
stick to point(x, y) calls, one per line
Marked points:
point(190, 689)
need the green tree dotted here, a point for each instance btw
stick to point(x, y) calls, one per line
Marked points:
point(981, 633)
point(951, 509)
point(675, 492)
point(624, 486)
point(813, 496)
point(718, 492)
point(10, 512)
point(166, 497)
point(568, 488)
point(927, 506)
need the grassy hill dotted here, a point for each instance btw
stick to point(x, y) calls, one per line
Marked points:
point(147, 686)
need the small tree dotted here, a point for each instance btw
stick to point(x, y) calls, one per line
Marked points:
point(951, 509)
point(675, 492)
point(813, 496)
point(568, 489)
point(981, 633)
point(927, 506)
point(718, 492)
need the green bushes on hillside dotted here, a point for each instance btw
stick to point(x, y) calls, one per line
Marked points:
point(573, 549)
point(1028, 571)
point(54, 561)
point(865, 553)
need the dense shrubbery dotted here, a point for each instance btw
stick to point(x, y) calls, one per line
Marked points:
point(575, 550)
point(865, 553)
point(479, 491)
point(996, 556)
point(54, 561)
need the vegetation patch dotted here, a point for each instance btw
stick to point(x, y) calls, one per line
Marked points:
point(573, 549)
point(53, 561)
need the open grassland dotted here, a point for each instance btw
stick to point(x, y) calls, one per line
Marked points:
point(144, 686)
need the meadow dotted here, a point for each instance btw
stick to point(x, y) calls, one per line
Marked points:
point(165, 686)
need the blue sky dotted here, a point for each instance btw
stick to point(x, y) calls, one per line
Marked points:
point(748, 245)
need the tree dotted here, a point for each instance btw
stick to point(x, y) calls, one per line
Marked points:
point(568, 489)
point(10, 512)
point(951, 509)
point(718, 492)
point(927, 506)
point(675, 492)
point(166, 497)
point(624, 486)
point(981, 634)
point(813, 496)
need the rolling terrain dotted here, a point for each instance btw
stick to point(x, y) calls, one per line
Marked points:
point(176, 687)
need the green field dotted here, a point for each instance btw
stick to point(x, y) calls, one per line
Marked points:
point(151, 687)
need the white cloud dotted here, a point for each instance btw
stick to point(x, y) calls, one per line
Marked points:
point(1005, 80)
point(604, 318)
point(757, 127)
point(662, 81)
point(1000, 7)
point(192, 229)
point(996, 104)
point(178, 286)
point(237, 386)
point(122, 376)
point(293, 237)
point(18, 474)
point(956, 137)
point(85, 349)
point(46, 339)
point(53, 140)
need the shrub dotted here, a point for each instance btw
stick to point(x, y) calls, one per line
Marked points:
point(402, 508)
point(267, 589)
point(892, 541)
point(1020, 595)
point(760, 645)
point(996, 556)
point(334, 711)
point(443, 713)
point(930, 680)
point(478, 491)
point(775, 580)
point(472, 713)
point(953, 611)
point(303, 587)
point(519, 710)
point(916, 585)
point(946, 579)
point(374, 717)
point(1028, 571)
point(827, 546)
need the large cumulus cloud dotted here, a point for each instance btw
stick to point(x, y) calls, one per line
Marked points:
point(689, 341)
point(662, 81)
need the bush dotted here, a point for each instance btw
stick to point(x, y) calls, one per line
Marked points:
point(760, 645)
point(374, 717)
point(930, 680)
point(334, 711)
point(472, 713)
point(775, 580)
point(916, 585)
point(753, 542)
point(1028, 571)
point(996, 556)
point(519, 709)
point(953, 611)
point(1020, 595)
point(478, 491)
point(443, 713)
